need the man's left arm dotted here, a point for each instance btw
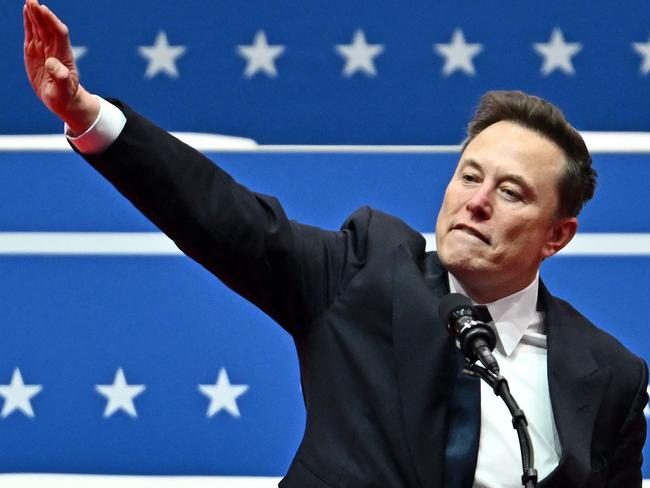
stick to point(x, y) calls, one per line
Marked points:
point(626, 461)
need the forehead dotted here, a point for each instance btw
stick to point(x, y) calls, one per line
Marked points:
point(512, 147)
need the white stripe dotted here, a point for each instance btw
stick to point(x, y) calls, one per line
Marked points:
point(87, 243)
point(617, 142)
point(218, 143)
point(593, 244)
point(96, 481)
point(157, 244)
point(58, 142)
point(597, 142)
point(449, 149)
point(608, 244)
point(92, 481)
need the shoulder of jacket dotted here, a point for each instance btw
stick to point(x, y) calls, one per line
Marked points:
point(607, 349)
point(375, 230)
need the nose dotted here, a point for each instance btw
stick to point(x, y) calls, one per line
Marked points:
point(480, 203)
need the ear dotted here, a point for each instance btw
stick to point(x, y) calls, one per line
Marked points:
point(559, 235)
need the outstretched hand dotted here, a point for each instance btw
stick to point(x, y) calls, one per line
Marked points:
point(51, 68)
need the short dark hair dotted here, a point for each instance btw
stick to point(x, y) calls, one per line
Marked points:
point(577, 184)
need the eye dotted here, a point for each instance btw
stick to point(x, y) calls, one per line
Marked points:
point(470, 177)
point(510, 193)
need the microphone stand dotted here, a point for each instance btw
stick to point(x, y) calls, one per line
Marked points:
point(500, 387)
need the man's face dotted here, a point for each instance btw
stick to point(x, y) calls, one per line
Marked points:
point(497, 221)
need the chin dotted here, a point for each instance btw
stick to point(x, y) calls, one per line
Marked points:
point(461, 263)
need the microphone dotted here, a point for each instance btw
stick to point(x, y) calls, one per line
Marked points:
point(473, 337)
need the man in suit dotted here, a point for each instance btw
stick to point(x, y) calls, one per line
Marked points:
point(387, 401)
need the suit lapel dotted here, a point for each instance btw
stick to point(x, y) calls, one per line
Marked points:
point(425, 360)
point(577, 386)
point(426, 366)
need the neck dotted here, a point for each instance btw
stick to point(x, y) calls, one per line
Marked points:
point(481, 292)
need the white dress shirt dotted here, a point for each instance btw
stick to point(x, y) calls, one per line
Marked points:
point(521, 353)
point(107, 127)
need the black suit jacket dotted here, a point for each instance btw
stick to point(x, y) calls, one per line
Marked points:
point(377, 367)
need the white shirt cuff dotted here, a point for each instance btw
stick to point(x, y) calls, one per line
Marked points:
point(106, 128)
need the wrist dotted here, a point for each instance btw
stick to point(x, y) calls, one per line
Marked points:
point(81, 112)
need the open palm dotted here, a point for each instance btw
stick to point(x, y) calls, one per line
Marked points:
point(48, 57)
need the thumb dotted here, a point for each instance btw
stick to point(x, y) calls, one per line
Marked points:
point(57, 70)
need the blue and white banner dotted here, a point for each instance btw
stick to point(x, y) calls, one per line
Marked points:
point(341, 72)
point(121, 356)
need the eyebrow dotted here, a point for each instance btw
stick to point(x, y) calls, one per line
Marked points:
point(515, 178)
point(470, 162)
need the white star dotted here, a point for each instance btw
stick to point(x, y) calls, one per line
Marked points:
point(161, 56)
point(17, 395)
point(458, 54)
point(223, 395)
point(79, 52)
point(359, 56)
point(120, 395)
point(557, 53)
point(260, 56)
point(643, 48)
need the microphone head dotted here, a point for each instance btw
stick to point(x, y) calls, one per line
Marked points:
point(474, 338)
point(454, 306)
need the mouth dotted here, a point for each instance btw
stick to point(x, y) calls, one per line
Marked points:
point(471, 231)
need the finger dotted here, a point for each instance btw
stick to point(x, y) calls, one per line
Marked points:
point(46, 22)
point(30, 17)
point(32, 13)
point(54, 25)
point(28, 25)
point(36, 33)
point(59, 34)
point(30, 9)
point(57, 69)
point(37, 19)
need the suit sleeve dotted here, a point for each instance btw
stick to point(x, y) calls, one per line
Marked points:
point(289, 270)
point(627, 458)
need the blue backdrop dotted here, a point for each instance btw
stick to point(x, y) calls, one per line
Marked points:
point(281, 72)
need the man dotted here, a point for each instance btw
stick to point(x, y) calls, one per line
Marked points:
point(384, 393)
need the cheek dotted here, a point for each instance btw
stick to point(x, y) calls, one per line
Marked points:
point(440, 222)
point(519, 226)
point(524, 239)
point(443, 214)
point(451, 201)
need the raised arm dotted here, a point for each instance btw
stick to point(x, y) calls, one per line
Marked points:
point(51, 68)
point(291, 271)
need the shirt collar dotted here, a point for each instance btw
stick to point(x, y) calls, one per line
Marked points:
point(511, 315)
